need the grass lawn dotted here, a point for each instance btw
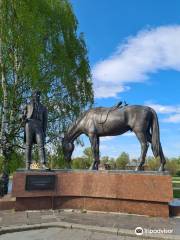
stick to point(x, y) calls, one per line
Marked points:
point(176, 187)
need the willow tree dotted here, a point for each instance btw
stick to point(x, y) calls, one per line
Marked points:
point(40, 48)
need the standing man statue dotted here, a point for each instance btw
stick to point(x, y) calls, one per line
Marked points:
point(35, 118)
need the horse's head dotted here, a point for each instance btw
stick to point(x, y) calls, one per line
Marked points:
point(68, 148)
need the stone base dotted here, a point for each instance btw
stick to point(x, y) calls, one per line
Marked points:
point(36, 203)
point(113, 205)
point(145, 193)
point(7, 202)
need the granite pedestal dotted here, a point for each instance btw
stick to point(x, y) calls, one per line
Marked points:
point(144, 193)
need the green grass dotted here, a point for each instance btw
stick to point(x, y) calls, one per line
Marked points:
point(176, 178)
point(176, 193)
point(176, 187)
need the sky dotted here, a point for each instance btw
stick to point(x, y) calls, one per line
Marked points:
point(134, 54)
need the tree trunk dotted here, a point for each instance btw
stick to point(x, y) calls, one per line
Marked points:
point(4, 121)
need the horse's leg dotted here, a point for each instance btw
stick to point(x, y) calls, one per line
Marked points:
point(95, 149)
point(68, 165)
point(144, 147)
point(162, 160)
point(161, 154)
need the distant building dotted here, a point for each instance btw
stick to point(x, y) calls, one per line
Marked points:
point(132, 165)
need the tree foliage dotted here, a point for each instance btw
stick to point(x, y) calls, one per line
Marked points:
point(173, 166)
point(85, 161)
point(40, 48)
point(153, 163)
point(122, 161)
point(56, 158)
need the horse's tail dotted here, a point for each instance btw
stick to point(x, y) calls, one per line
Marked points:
point(156, 144)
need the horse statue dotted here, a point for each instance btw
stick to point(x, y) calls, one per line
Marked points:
point(100, 122)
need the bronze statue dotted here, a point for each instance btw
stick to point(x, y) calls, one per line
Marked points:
point(100, 122)
point(35, 118)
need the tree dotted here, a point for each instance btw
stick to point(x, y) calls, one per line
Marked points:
point(122, 161)
point(40, 48)
point(85, 161)
point(105, 159)
point(56, 158)
point(79, 163)
point(112, 163)
point(153, 163)
point(172, 166)
point(88, 154)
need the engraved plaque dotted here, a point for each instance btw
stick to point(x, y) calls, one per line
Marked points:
point(40, 182)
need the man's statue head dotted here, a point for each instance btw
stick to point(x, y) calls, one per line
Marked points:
point(36, 96)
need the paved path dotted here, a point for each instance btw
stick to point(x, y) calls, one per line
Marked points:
point(82, 225)
point(65, 234)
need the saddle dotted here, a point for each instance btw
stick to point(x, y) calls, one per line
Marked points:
point(105, 112)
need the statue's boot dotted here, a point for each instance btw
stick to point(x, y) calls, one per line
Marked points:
point(42, 157)
point(28, 156)
point(28, 166)
point(68, 165)
point(43, 166)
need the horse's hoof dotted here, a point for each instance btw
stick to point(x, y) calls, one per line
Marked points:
point(161, 169)
point(68, 167)
point(139, 168)
point(95, 169)
point(92, 168)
